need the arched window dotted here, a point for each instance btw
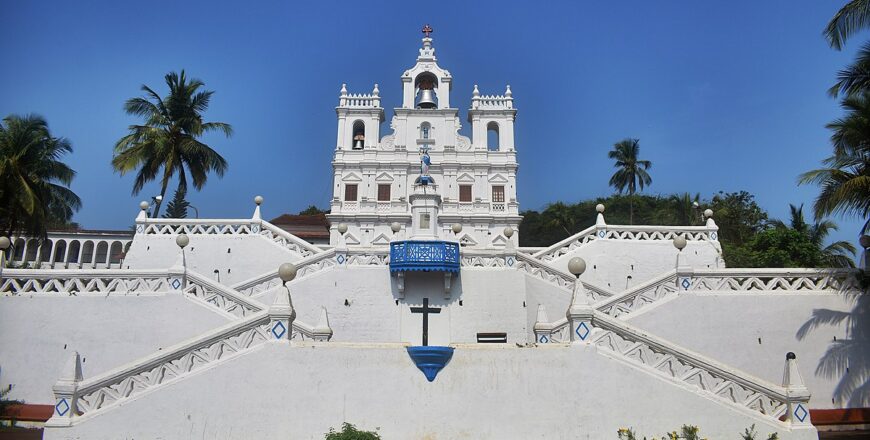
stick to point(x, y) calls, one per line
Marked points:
point(72, 256)
point(359, 135)
point(18, 254)
point(102, 252)
point(32, 249)
point(492, 137)
point(59, 251)
point(45, 251)
point(88, 252)
point(116, 253)
point(425, 131)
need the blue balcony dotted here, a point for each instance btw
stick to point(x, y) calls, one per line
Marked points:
point(424, 256)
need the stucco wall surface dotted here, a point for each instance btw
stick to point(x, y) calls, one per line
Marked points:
point(236, 258)
point(752, 333)
point(39, 333)
point(610, 262)
point(287, 392)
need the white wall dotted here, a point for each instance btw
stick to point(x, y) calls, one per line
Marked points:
point(609, 262)
point(727, 327)
point(39, 333)
point(237, 257)
point(279, 391)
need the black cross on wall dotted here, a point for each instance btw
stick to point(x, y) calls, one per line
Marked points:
point(425, 310)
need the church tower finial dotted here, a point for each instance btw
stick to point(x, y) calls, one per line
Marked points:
point(427, 30)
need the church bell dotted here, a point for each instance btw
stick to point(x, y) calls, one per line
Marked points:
point(358, 141)
point(427, 99)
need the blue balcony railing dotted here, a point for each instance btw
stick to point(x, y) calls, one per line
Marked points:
point(425, 256)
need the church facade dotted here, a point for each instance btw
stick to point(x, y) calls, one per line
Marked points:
point(472, 181)
point(422, 319)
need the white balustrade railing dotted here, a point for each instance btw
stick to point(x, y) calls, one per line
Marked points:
point(616, 338)
point(545, 272)
point(640, 296)
point(83, 281)
point(492, 102)
point(350, 206)
point(622, 232)
point(226, 299)
point(269, 280)
point(222, 227)
point(360, 100)
point(171, 364)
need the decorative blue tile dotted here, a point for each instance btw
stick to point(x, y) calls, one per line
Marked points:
point(543, 339)
point(602, 233)
point(278, 329)
point(176, 283)
point(255, 229)
point(140, 228)
point(714, 236)
point(582, 331)
point(340, 258)
point(510, 261)
point(801, 413)
point(686, 283)
point(62, 407)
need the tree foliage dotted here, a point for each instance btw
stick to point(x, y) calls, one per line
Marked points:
point(631, 172)
point(167, 144)
point(349, 432)
point(34, 181)
point(313, 210)
point(177, 207)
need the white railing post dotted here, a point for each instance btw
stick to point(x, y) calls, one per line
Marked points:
point(66, 393)
point(282, 315)
point(798, 396)
point(322, 331)
point(581, 312)
point(543, 327)
point(256, 219)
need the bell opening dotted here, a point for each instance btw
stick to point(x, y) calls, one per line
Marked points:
point(426, 96)
point(359, 135)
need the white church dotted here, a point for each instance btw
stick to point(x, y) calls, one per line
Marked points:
point(422, 318)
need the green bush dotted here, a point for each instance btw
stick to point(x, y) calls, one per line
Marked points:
point(688, 432)
point(349, 432)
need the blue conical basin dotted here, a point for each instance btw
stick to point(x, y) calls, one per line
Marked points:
point(430, 359)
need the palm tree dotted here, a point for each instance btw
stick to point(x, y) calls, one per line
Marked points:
point(631, 171)
point(845, 177)
point(33, 180)
point(837, 254)
point(849, 20)
point(168, 142)
point(561, 216)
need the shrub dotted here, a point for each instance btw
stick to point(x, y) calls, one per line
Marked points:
point(349, 432)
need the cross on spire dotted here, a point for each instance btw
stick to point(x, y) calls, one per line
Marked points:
point(427, 30)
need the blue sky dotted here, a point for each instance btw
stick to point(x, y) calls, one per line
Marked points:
point(722, 95)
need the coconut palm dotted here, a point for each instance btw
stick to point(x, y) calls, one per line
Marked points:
point(845, 177)
point(837, 254)
point(631, 172)
point(167, 143)
point(33, 180)
point(852, 18)
point(562, 216)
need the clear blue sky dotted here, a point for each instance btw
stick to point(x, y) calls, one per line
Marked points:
point(723, 95)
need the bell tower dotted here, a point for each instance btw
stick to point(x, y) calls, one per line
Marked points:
point(426, 85)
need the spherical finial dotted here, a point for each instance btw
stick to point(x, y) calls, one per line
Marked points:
point(680, 242)
point(287, 272)
point(258, 200)
point(182, 240)
point(457, 228)
point(508, 231)
point(395, 227)
point(696, 205)
point(600, 208)
point(864, 241)
point(790, 355)
point(342, 228)
point(708, 213)
point(143, 205)
point(4, 243)
point(576, 266)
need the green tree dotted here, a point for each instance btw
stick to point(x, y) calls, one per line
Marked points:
point(177, 207)
point(837, 254)
point(349, 432)
point(34, 181)
point(845, 177)
point(562, 216)
point(313, 210)
point(168, 142)
point(852, 18)
point(631, 173)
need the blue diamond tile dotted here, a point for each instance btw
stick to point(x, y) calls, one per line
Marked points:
point(176, 283)
point(801, 413)
point(139, 229)
point(255, 229)
point(279, 329)
point(686, 283)
point(510, 261)
point(602, 233)
point(543, 339)
point(582, 331)
point(62, 407)
point(714, 236)
point(340, 258)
